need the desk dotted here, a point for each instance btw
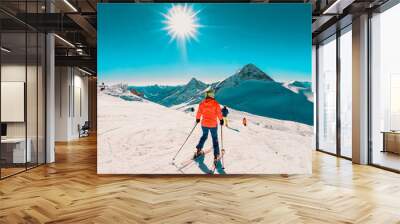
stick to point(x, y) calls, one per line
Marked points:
point(391, 141)
point(15, 148)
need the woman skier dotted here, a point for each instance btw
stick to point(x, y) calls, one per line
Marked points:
point(209, 112)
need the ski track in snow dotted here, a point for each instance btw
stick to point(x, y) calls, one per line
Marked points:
point(142, 138)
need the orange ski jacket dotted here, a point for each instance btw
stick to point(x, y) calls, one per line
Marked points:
point(209, 110)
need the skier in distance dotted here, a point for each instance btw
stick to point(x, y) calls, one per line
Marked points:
point(225, 113)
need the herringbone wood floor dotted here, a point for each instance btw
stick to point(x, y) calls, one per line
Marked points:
point(69, 191)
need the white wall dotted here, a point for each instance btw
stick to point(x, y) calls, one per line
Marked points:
point(14, 73)
point(71, 102)
point(80, 104)
point(62, 82)
point(33, 126)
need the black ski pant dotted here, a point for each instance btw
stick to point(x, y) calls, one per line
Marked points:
point(214, 136)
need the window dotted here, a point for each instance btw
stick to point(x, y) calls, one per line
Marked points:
point(385, 89)
point(22, 86)
point(346, 92)
point(327, 95)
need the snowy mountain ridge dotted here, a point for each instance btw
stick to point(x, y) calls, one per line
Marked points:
point(122, 91)
point(248, 72)
point(249, 89)
point(303, 88)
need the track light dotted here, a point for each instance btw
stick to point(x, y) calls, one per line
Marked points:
point(337, 7)
point(70, 5)
point(84, 71)
point(64, 40)
point(329, 9)
point(5, 50)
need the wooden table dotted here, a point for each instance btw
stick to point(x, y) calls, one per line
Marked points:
point(391, 141)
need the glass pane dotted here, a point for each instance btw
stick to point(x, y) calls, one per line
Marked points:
point(385, 93)
point(346, 94)
point(13, 86)
point(31, 100)
point(23, 89)
point(41, 99)
point(314, 82)
point(327, 95)
point(32, 88)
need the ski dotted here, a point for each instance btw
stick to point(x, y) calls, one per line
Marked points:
point(215, 162)
point(186, 163)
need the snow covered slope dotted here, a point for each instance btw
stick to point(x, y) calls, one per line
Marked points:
point(267, 98)
point(142, 137)
point(303, 88)
point(121, 91)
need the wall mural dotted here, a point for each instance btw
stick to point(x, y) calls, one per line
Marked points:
point(204, 89)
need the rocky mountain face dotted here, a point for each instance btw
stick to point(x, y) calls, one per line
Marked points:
point(248, 72)
point(190, 92)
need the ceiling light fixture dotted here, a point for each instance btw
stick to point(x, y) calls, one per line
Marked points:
point(337, 7)
point(333, 6)
point(79, 51)
point(84, 71)
point(64, 40)
point(5, 50)
point(70, 5)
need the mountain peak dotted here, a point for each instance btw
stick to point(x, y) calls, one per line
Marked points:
point(195, 83)
point(250, 65)
point(251, 71)
point(193, 80)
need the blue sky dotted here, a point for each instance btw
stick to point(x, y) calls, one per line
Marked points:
point(134, 47)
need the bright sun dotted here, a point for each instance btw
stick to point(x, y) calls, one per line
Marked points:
point(181, 22)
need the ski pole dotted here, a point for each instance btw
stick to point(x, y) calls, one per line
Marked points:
point(185, 141)
point(223, 150)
